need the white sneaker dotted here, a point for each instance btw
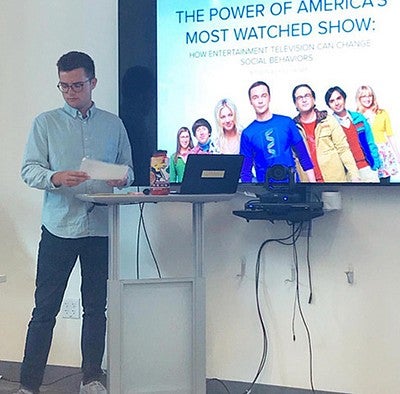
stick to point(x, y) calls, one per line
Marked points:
point(94, 387)
point(24, 391)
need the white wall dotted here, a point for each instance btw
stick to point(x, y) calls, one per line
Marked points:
point(33, 35)
point(354, 328)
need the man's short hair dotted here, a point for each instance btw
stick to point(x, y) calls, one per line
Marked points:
point(258, 83)
point(73, 60)
point(330, 91)
point(302, 85)
point(201, 122)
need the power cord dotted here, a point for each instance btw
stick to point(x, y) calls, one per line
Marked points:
point(219, 381)
point(310, 297)
point(289, 240)
point(297, 301)
point(141, 224)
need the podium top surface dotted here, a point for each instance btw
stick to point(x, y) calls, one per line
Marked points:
point(137, 198)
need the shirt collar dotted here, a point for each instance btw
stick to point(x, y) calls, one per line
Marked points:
point(76, 114)
point(344, 120)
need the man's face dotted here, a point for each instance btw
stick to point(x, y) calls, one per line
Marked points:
point(259, 99)
point(81, 100)
point(337, 103)
point(304, 99)
point(202, 134)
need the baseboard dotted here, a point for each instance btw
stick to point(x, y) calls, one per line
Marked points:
point(67, 380)
point(59, 378)
point(217, 386)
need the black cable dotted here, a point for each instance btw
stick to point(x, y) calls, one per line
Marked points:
point(310, 352)
point(141, 205)
point(293, 323)
point(138, 242)
point(282, 241)
point(141, 224)
point(309, 264)
point(294, 319)
point(295, 304)
point(219, 381)
point(293, 237)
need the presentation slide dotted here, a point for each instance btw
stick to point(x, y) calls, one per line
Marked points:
point(208, 50)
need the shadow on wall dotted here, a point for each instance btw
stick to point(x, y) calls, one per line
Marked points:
point(138, 98)
point(16, 294)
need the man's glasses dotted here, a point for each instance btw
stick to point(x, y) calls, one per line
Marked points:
point(306, 96)
point(76, 86)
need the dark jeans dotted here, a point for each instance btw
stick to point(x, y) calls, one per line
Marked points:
point(56, 259)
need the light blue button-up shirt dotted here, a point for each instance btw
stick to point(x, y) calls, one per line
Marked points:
point(58, 141)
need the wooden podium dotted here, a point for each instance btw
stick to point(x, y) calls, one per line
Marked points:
point(156, 327)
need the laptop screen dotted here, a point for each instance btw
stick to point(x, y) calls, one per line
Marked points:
point(211, 174)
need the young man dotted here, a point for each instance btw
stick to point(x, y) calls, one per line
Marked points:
point(201, 130)
point(358, 133)
point(270, 139)
point(325, 139)
point(71, 228)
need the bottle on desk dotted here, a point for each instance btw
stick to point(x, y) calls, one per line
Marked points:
point(159, 173)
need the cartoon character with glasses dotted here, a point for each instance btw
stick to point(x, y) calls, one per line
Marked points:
point(271, 139)
point(325, 140)
point(382, 131)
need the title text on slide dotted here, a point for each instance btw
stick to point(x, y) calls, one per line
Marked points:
point(280, 31)
point(275, 9)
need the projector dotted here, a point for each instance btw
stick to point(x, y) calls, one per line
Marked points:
point(283, 200)
point(281, 197)
point(292, 212)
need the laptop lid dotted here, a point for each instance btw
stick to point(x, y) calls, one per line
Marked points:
point(211, 174)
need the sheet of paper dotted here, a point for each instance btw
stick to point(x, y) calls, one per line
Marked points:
point(106, 171)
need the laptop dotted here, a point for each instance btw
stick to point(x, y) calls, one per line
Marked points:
point(211, 174)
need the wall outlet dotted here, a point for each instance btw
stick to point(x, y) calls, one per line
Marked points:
point(242, 273)
point(71, 308)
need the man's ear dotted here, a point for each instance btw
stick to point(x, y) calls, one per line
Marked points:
point(93, 82)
